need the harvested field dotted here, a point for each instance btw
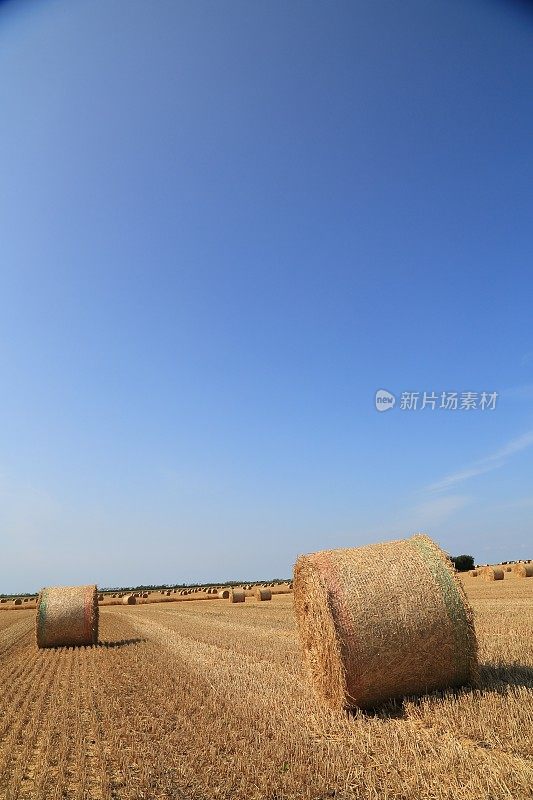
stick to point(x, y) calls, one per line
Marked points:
point(198, 700)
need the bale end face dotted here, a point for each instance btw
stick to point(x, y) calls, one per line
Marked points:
point(383, 621)
point(67, 616)
point(262, 593)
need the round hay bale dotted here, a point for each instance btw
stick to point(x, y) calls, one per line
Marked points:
point(168, 593)
point(237, 595)
point(3, 600)
point(492, 574)
point(262, 593)
point(508, 569)
point(129, 600)
point(67, 616)
point(145, 595)
point(383, 621)
point(100, 597)
point(523, 570)
point(224, 594)
point(473, 573)
point(18, 601)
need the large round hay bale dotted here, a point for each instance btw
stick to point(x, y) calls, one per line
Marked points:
point(492, 574)
point(18, 601)
point(223, 594)
point(383, 621)
point(67, 616)
point(523, 570)
point(262, 593)
point(129, 600)
point(237, 595)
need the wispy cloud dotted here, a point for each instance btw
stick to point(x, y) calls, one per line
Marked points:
point(524, 392)
point(436, 509)
point(487, 464)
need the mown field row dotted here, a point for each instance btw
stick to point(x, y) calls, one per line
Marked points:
point(204, 700)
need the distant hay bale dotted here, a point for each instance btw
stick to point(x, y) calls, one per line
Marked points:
point(67, 616)
point(383, 621)
point(473, 573)
point(492, 574)
point(100, 597)
point(145, 595)
point(168, 593)
point(3, 600)
point(237, 596)
point(523, 570)
point(18, 601)
point(129, 600)
point(262, 593)
point(223, 594)
point(508, 569)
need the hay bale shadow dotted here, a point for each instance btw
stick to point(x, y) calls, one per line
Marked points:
point(392, 709)
point(121, 643)
point(499, 679)
point(502, 676)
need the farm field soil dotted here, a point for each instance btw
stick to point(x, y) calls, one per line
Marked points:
point(207, 700)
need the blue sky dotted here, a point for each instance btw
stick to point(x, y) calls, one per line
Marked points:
point(224, 226)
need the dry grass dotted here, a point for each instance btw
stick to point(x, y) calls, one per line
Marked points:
point(522, 570)
point(382, 621)
point(492, 574)
point(67, 615)
point(237, 595)
point(206, 701)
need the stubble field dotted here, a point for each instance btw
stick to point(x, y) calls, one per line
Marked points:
point(203, 700)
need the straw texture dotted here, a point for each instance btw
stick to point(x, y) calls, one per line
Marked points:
point(237, 596)
point(129, 600)
point(523, 570)
point(67, 616)
point(262, 593)
point(383, 621)
point(492, 574)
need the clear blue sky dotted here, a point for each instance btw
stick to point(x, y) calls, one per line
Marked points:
point(223, 227)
